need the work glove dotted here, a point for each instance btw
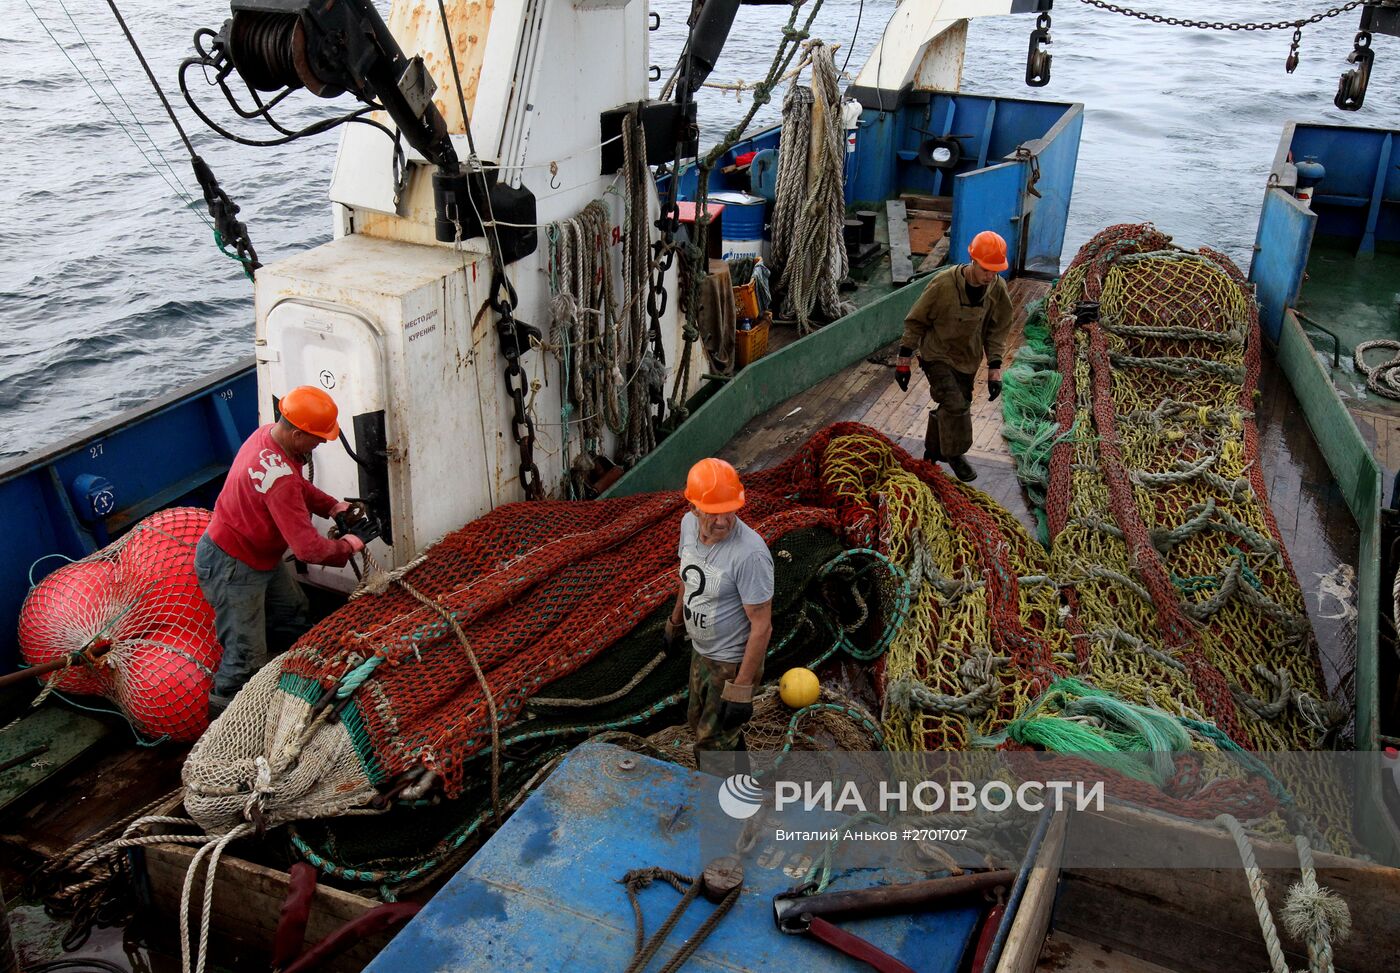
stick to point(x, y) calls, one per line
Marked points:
point(993, 389)
point(366, 529)
point(901, 368)
point(672, 643)
point(356, 545)
point(363, 530)
point(735, 705)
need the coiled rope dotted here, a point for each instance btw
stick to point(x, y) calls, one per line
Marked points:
point(809, 254)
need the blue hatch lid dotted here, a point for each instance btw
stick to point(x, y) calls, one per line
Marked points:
point(543, 892)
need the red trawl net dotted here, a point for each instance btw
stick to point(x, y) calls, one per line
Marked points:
point(135, 625)
point(385, 688)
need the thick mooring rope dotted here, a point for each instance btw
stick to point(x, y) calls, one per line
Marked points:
point(809, 254)
point(1383, 379)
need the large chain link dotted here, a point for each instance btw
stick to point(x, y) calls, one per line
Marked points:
point(1222, 25)
point(515, 340)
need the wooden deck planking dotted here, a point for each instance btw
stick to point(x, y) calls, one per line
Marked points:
point(1313, 519)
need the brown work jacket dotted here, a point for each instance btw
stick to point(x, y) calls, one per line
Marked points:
point(945, 326)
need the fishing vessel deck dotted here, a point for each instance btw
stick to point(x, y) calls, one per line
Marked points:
point(1345, 301)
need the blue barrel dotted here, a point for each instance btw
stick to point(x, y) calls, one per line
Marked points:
point(742, 223)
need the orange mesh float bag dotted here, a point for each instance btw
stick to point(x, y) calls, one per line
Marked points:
point(134, 626)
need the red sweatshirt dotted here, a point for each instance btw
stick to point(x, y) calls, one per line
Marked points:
point(266, 506)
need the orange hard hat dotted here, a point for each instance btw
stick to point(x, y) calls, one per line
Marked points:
point(312, 411)
point(989, 250)
point(713, 486)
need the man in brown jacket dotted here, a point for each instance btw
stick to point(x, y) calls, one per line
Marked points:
point(963, 314)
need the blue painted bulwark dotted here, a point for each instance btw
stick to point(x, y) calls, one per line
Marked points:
point(72, 498)
point(1038, 140)
point(1281, 248)
point(543, 893)
point(988, 199)
point(1357, 204)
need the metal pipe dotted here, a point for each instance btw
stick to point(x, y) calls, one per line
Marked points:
point(1018, 891)
point(24, 758)
point(791, 913)
point(1336, 342)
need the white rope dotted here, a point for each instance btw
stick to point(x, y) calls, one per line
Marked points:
point(213, 849)
point(1314, 914)
point(1383, 379)
point(603, 347)
point(1257, 885)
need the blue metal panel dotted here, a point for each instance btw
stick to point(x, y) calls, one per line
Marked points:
point(1280, 257)
point(988, 199)
point(1058, 156)
point(543, 893)
point(872, 170)
point(173, 451)
point(1359, 199)
point(1383, 166)
point(1350, 155)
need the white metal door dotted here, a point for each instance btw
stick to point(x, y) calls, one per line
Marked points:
point(341, 351)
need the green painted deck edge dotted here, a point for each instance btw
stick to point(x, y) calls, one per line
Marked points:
point(767, 382)
point(1359, 477)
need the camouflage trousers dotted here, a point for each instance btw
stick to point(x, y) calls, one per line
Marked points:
point(707, 678)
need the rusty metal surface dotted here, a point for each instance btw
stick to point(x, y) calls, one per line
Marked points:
point(417, 27)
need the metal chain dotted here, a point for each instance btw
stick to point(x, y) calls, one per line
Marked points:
point(1222, 25)
point(515, 340)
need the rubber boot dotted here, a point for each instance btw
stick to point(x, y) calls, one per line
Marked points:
point(962, 468)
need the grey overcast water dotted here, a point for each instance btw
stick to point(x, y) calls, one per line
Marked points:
point(112, 292)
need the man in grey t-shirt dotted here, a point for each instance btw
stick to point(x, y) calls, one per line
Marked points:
point(726, 604)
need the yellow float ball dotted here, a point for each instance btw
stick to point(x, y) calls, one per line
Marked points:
point(799, 688)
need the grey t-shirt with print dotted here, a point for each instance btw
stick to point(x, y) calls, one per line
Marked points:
point(720, 579)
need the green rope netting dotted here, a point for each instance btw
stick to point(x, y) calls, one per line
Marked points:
point(1030, 387)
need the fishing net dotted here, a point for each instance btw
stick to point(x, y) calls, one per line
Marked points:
point(559, 606)
point(826, 600)
point(834, 722)
point(133, 625)
point(1148, 467)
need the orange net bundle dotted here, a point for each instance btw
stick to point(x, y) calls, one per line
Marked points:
point(133, 625)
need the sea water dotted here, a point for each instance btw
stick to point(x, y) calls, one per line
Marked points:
point(112, 291)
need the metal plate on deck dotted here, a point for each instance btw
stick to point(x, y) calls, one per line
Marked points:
point(543, 893)
point(66, 735)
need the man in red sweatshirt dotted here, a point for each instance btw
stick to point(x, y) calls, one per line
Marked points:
point(264, 508)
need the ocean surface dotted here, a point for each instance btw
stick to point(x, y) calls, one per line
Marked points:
point(112, 291)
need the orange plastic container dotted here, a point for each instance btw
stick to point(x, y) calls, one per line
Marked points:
point(746, 300)
point(751, 345)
